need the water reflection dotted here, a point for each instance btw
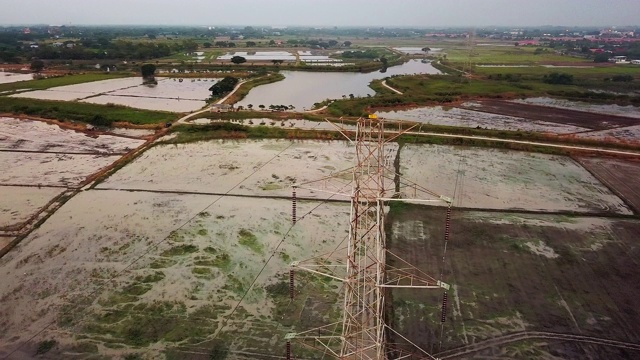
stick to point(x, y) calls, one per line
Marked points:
point(303, 89)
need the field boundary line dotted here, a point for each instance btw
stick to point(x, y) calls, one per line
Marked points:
point(525, 335)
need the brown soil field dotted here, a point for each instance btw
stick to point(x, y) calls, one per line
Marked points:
point(511, 273)
point(618, 175)
point(555, 115)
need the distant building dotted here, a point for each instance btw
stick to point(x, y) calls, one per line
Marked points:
point(220, 107)
point(619, 60)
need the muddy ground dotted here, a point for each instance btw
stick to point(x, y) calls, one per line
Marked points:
point(619, 175)
point(512, 273)
point(611, 109)
point(438, 115)
point(555, 115)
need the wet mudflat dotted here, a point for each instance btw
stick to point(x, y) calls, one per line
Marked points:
point(564, 116)
point(511, 273)
point(29, 135)
point(463, 117)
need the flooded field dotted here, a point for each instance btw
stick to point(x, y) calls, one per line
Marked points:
point(303, 89)
point(147, 103)
point(628, 111)
point(7, 77)
point(499, 179)
point(29, 135)
point(273, 166)
point(288, 124)
point(416, 50)
point(168, 95)
point(153, 261)
point(18, 203)
point(439, 115)
point(627, 134)
point(50, 169)
point(583, 119)
point(192, 279)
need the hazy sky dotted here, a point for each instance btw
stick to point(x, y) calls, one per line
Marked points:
point(424, 13)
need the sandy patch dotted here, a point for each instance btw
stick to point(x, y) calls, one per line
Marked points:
point(541, 249)
point(498, 179)
point(16, 134)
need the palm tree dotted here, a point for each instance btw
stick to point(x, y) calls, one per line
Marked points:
point(250, 106)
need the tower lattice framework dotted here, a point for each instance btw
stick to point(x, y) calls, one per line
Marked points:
point(364, 271)
point(363, 319)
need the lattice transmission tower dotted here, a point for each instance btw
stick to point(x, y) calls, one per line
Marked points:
point(364, 271)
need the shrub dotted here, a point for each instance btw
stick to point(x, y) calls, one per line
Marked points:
point(622, 78)
point(556, 78)
point(45, 346)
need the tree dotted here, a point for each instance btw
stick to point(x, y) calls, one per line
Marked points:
point(238, 60)
point(556, 78)
point(332, 43)
point(207, 45)
point(272, 42)
point(251, 43)
point(622, 78)
point(37, 65)
point(601, 58)
point(148, 74)
point(347, 43)
point(261, 107)
point(223, 87)
point(219, 351)
point(277, 62)
point(250, 106)
point(426, 49)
